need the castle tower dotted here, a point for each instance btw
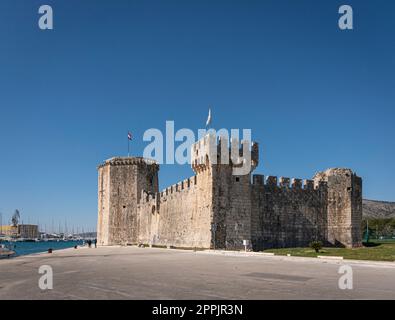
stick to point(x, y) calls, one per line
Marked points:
point(229, 169)
point(344, 206)
point(121, 181)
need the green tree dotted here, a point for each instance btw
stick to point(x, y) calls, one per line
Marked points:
point(316, 245)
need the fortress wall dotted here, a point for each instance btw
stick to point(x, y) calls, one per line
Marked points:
point(148, 217)
point(232, 207)
point(218, 209)
point(232, 196)
point(146, 180)
point(103, 206)
point(120, 183)
point(344, 207)
point(286, 214)
point(182, 215)
point(356, 214)
point(122, 193)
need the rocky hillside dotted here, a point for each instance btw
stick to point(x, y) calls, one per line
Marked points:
point(378, 209)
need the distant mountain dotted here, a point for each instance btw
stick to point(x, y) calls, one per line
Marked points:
point(378, 209)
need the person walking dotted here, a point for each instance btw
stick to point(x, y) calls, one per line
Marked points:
point(95, 242)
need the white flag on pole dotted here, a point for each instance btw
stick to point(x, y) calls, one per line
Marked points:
point(208, 122)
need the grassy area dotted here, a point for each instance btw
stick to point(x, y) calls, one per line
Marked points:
point(382, 241)
point(378, 251)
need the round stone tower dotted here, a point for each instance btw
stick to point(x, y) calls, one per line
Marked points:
point(121, 181)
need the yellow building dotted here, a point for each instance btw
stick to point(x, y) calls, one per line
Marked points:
point(9, 231)
point(26, 231)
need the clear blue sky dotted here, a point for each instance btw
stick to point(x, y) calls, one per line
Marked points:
point(314, 96)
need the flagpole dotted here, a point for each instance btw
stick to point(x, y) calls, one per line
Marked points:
point(129, 139)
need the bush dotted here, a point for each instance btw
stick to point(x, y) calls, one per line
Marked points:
point(316, 245)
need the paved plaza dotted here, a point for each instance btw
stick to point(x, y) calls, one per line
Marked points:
point(152, 273)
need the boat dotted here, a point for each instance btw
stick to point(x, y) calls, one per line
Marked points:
point(5, 252)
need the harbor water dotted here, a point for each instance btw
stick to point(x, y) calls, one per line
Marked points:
point(24, 247)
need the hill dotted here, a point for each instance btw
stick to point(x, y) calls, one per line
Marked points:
point(378, 209)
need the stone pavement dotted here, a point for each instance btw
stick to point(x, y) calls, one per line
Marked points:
point(151, 273)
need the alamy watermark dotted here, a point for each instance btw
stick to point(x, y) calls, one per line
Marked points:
point(45, 282)
point(45, 22)
point(346, 281)
point(345, 21)
point(213, 146)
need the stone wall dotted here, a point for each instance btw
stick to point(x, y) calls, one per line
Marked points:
point(344, 206)
point(232, 208)
point(218, 209)
point(121, 181)
point(287, 215)
point(180, 216)
point(103, 220)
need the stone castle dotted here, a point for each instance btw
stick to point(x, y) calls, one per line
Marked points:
point(219, 210)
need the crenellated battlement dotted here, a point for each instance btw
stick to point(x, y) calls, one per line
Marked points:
point(296, 183)
point(124, 161)
point(182, 186)
point(210, 151)
point(287, 183)
point(147, 196)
